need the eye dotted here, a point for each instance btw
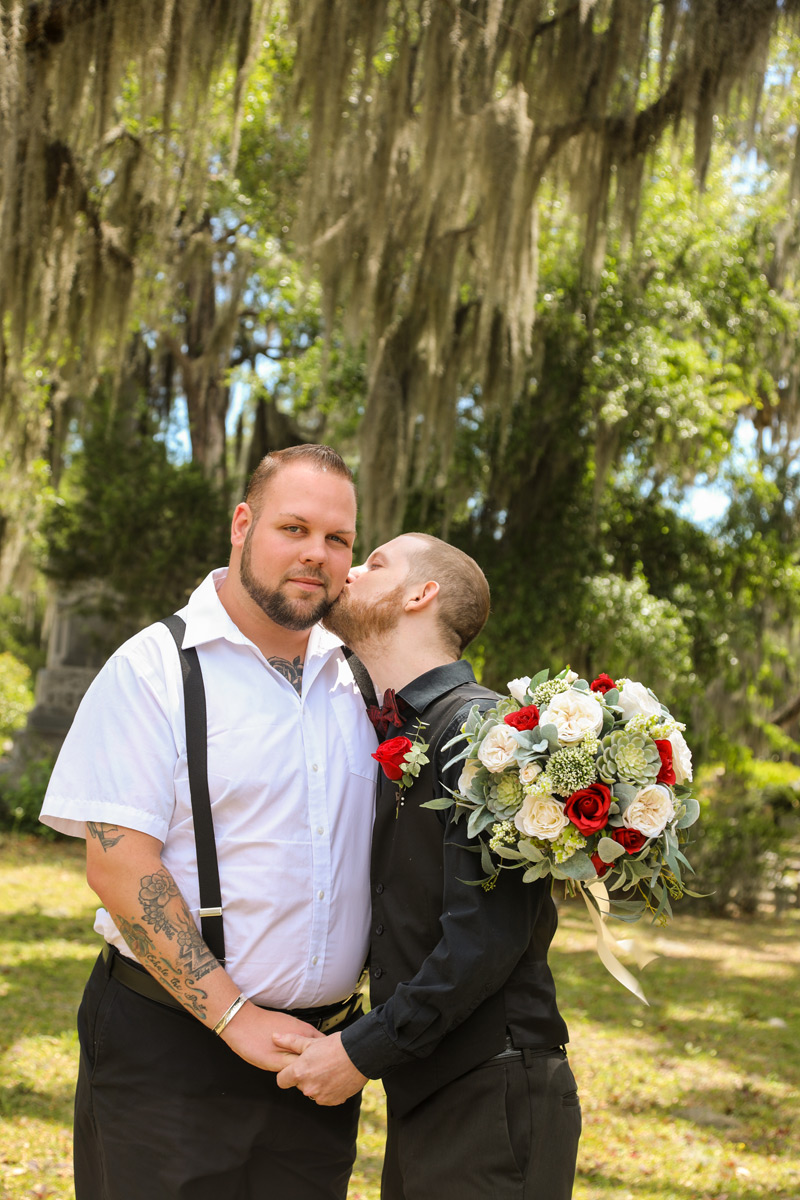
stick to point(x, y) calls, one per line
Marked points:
point(334, 537)
point(294, 529)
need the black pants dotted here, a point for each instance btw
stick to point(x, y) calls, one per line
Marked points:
point(165, 1110)
point(505, 1131)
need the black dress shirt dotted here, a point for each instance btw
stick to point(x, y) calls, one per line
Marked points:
point(453, 967)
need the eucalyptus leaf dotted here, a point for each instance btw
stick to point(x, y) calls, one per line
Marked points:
point(579, 866)
point(537, 871)
point(537, 679)
point(691, 814)
point(609, 850)
point(580, 685)
point(479, 820)
point(440, 803)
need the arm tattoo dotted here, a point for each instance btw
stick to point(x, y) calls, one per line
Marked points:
point(165, 911)
point(293, 671)
point(105, 834)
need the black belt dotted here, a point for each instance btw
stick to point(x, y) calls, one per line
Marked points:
point(133, 976)
point(512, 1054)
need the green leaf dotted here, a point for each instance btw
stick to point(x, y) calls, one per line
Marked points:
point(441, 802)
point(537, 871)
point(537, 679)
point(609, 850)
point(691, 814)
point(579, 866)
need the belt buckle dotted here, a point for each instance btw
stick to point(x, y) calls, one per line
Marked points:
point(337, 1019)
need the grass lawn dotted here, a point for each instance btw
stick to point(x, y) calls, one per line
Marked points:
point(695, 1098)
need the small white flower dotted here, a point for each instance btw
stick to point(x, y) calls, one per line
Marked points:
point(571, 676)
point(498, 748)
point(542, 817)
point(529, 772)
point(634, 698)
point(650, 811)
point(468, 773)
point(574, 714)
point(681, 757)
point(518, 687)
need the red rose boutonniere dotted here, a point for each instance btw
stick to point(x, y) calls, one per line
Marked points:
point(402, 760)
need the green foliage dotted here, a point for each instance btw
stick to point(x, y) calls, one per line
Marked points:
point(21, 799)
point(16, 693)
point(749, 814)
point(147, 527)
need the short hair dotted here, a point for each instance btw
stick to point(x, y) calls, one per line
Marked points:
point(321, 458)
point(463, 590)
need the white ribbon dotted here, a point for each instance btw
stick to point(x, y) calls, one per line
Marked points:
point(607, 944)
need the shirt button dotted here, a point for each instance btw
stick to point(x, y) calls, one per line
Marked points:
point(315, 767)
point(377, 972)
point(320, 829)
point(379, 888)
point(379, 929)
point(315, 960)
point(320, 895)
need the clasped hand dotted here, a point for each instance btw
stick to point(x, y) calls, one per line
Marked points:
point(321, 1070)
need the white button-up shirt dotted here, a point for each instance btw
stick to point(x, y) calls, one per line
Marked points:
point(292, 786)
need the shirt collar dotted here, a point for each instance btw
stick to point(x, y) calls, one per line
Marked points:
point(427, 688)
point(207, 620)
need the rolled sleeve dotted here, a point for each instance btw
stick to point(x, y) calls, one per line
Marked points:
point(117, 764)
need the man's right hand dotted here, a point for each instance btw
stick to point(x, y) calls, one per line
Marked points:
point(249, 1034)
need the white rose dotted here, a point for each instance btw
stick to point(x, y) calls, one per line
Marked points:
point(518, 687)
point(497, 749)
point(681, 757)
point(650, 810)
point(542, 817)
point(574, 714)
point(634, 698)
point(529, 772)
point(571, 676)
point(468, 773)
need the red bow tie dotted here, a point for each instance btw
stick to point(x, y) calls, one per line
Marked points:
point(388, 714)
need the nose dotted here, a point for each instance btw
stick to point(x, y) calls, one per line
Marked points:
point(354, 573)
point(315, 550)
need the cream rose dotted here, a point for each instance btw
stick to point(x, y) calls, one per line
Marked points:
point(681, 757)
point(650, 811)
point(634, 698)
point(541, 817)
point(529, 772)
point(496, 751)
point(574, 714)
point(518, 687)
point(468, 773)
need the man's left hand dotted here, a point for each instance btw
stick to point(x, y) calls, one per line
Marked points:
point(322, 1070)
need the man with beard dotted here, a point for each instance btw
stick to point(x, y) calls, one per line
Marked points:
point(176, 1092)
point(464, 1028)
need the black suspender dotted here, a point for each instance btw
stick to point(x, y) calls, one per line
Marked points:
point(197, 763)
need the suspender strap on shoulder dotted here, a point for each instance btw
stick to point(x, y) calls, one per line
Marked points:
point(197, 763)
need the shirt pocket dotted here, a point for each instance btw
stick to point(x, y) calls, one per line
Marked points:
point(358, 735)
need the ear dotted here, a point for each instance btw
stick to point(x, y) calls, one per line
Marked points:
point(240, 523)
point(422, 596)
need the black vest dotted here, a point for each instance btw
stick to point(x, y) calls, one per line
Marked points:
point(407, 886)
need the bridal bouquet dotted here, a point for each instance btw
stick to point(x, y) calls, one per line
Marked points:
point(580, 781)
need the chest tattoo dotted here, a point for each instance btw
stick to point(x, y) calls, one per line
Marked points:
point(293, 671)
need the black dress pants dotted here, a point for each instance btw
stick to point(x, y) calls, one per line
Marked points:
point(164, 1110)
point(507, 1130)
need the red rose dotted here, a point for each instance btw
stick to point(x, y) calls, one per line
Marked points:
point(631, 839)
point(604, 683)
point(667, 772)
point(588, 808)
point(599, 866)
point(391, 756)
point(523, 718)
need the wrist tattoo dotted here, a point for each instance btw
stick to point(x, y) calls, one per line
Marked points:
point(293, 671)
point(105, 834)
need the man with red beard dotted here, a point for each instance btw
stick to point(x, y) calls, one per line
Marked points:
point(264, 778)
point(464, 1028)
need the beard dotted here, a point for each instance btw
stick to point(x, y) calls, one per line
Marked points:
point(296, 615)
point(358, 622)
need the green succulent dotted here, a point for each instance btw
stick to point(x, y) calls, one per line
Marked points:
point(630, 757)
point(506, 796)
